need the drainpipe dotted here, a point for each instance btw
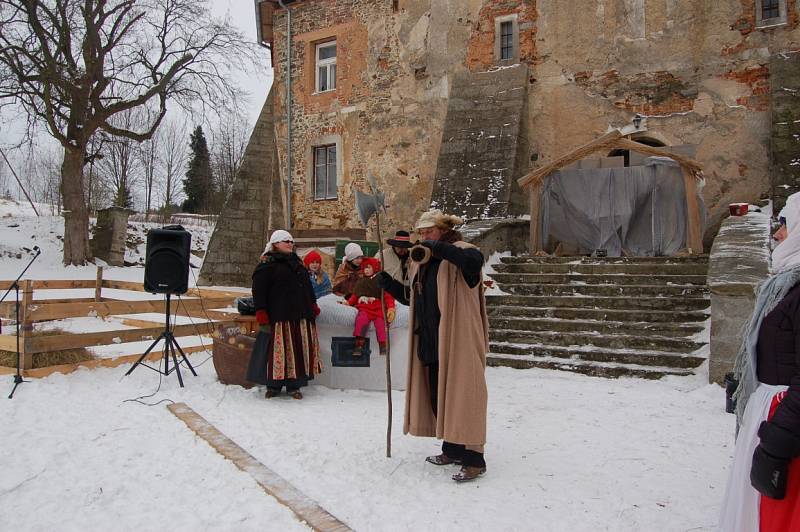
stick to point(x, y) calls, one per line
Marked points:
point(288, 114)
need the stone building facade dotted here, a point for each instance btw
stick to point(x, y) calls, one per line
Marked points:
point(448, 102)
point(703, 74)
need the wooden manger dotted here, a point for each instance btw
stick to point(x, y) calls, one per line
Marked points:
point(200, 303)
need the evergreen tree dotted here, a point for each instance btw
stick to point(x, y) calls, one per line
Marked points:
point(124, 198)
point(199, 182)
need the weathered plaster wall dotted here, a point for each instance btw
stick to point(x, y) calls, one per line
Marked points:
point(388, 109)
point(699, 72)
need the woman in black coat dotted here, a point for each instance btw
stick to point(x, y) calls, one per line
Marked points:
point(286, 352)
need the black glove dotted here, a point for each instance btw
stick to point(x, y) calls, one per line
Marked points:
point(384, 280)
point(771, 459)
point(768, 474)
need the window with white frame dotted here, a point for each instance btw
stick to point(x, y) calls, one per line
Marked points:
point(325, 172)
point(770, 12)
point(506, 39)
point(326, 66)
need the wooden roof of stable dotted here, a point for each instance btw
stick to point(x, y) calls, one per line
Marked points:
point(613, 140)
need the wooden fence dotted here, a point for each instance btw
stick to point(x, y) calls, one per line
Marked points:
point(196, 303)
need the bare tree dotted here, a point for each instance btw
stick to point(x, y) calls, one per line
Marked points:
point(228, 142)
point(75, 64)
point(5, 190)
point(173, 154)
point(147, 157)
point(117, 166)
point(44, 177)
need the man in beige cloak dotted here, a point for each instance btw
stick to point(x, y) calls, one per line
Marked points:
point(446, 394)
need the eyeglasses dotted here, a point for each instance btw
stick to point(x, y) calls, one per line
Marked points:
point(287, 241)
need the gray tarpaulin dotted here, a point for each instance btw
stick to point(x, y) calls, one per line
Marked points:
point(641, 209)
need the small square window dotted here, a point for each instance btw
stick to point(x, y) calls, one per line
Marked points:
point(325, 172)
point(770, 13)
point(326, 66)
point(770, 8)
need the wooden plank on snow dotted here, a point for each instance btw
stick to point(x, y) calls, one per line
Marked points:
point(42, 344)
point(42, 312)
point(303, 507)
point(103, 362)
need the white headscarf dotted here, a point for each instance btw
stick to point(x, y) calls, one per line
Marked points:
point(787, 253)
point(278, 236)
point(352, 251)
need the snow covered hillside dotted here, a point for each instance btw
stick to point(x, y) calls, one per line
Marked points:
point(564, 452)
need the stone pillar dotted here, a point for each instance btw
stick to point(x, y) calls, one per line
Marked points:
point(738, 262)
point(110, 234)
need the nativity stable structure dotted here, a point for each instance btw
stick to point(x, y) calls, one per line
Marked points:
point(605, 207)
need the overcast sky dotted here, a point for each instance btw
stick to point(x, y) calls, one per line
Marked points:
point(242, 13)
point(256, 83)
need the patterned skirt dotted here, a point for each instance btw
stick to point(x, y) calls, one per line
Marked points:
point(288, 355)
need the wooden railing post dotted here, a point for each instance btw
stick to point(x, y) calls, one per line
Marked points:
point(694, 233)
point(536, 230)
point(26, 325)
point(98, 287)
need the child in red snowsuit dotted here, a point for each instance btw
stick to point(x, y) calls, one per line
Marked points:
point(366, 298)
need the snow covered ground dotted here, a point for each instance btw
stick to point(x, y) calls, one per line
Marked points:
point(565, 452)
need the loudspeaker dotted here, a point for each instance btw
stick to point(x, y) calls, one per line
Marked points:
point(166, 266)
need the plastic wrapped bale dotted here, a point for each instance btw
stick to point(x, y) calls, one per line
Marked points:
point(337, 320)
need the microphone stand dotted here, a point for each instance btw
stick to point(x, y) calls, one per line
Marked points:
point(15, 286)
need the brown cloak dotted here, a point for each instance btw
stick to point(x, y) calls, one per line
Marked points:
point(463, 344)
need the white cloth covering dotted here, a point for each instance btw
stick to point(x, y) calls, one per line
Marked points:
point(278, 236)
point(787, 253)
point(741, 503)
point(352, 251)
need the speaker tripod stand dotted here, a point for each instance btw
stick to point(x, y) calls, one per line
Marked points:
point(170, 345)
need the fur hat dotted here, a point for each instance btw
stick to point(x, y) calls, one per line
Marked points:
point(374, 263)
point(312, 256)
point(278, 236)
point(436, 218)
point(352, 251)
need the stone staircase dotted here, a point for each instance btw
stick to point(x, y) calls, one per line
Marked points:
point(610, 317)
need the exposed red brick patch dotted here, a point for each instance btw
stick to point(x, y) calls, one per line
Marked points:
point(480, 48)
point(742, 169)
point(650, 93)
point(757, 78)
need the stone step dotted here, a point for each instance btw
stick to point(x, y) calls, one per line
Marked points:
point(609, 371)
point(513, 322)
point(587, 355)
point(693, 259)
point(579, 278)
point(566, 313)
point(616, 303)
point(608, 340)
point(604, 269)
point(667, 291)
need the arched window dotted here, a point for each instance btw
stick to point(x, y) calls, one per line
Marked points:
point(648, 141)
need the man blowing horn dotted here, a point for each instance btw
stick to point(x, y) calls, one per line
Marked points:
point(446, 394)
